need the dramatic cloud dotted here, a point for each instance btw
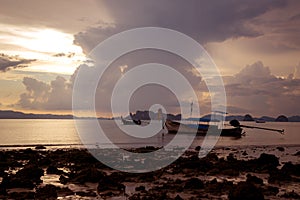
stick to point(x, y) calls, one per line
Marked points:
point(13, 62)
point(256, 89)
point(296, 74)
point(70, 16)
point(205, 21)
point(42, 96)
point(253, 90)
point(58, 94)
point(68, 55)
point(256, 72)
point(238, 33)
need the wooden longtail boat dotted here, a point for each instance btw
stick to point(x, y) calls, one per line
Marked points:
point(201, 129)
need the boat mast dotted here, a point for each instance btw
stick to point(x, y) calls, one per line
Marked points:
point(191, 114)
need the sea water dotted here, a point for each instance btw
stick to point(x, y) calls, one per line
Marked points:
point(63, 133)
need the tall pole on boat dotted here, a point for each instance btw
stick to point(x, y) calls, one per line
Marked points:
point(191, 114)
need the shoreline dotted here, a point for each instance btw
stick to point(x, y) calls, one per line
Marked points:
point(2, 146)
point(224, 173)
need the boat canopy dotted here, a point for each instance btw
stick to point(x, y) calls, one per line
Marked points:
point(202, 119)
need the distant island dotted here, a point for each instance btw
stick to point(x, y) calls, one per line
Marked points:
point(9, 114)
point(145, 115)
point(248, 117)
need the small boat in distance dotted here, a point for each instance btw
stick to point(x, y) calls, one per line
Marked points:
point(131, 122)
point(174, 128)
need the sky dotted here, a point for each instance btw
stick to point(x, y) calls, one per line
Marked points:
point(254, 44)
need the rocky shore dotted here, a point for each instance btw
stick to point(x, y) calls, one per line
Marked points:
point(225, 173)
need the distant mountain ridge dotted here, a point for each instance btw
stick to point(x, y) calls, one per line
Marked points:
point(280, 118)
point(9, 114)
point(143, 115)
point(247, 117)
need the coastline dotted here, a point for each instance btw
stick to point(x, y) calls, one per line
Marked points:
point(68, 173)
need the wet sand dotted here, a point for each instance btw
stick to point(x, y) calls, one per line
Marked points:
point(264, 172)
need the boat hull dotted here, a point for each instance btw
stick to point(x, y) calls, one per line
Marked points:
point(176, 127)
point(127, 122)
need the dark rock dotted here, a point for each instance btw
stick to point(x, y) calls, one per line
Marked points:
point(231, 158)
point(27, 177)
point(32, 172)
point(46, 192)
point(65, 191)
point(216, 187)
point(195, 163)
point(212, 157)
point(178, 181)
point(123, 176)
point(155, 194)
point(44, 161)
point(146, 149)
point(91, 174)
point(271, 191)
point(268, 161)
point(280, 148)
point(86, 194)
point(21, 195)
point(254, 179)
point(244, 153)
point(53, 170)
point(15, 182)
point(81, 157)
point(140, 188)
point(39, 147)
point(230, 172)
point(279, 176)
point(291, 195)
point(214, 181)
point(291, 169)
point(178, 197)
point(2, 191)
point(107, 183)
point(297, 154)
point(136, 196)
point(197, 148)
point(63, 179)
point(245, 191)
point(28, 151)
point(148, 177)
point(194, 183)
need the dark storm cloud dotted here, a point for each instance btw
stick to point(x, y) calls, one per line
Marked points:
point(205, 21)
point(13, 62)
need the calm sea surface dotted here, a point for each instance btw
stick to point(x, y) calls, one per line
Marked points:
point(63, 133)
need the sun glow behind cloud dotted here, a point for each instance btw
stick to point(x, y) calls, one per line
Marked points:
point(42, 44)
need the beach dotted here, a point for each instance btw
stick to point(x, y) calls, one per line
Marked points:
point(249, 172)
